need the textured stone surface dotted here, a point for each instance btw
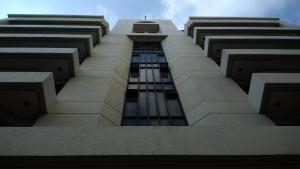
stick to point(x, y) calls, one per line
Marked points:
point(202, 87)
point(47, 141)
point(85, 117)
point(68, 120)
point(98, 90)
point(223, 107)
point(234, 120)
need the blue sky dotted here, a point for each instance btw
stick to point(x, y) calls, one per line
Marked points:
point(177, 10)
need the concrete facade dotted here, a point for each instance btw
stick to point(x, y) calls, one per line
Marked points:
point(84, 119)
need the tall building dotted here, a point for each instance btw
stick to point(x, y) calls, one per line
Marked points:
point(223, 93)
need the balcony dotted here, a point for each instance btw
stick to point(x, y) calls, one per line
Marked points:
point(62, 62)
point(201, 33)
point(82, 42)
point(215, 44)
point(277, 96)
point(25, 96)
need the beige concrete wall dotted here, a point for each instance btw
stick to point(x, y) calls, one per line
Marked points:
point(207, 97)
point(95, 97)
point(52, 141)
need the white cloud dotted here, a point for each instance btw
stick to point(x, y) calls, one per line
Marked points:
point(111, 17)
point(180, 10)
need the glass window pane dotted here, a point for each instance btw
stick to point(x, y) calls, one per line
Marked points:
point(154, 122)
point(143, 57)
point(149, 75)
point(143, 105)
point(169, 87)
point(150, 87)
point(178, 122)
point(143, 87)
point(135, 59)
point(158, 87)
point(149, 58)
point(174, 108)
point(131, 104)
point(154, 58)
point(133, 87)
point(134, 73)
point(131, 108)
point(152, 105)
point(173, 105)
point(162, 59)
point(166, 77)
point(162, 104)
point(156, 75)
point(129, 122)
point(142, 122)
point(143, 75)
point(151, 97)
point(155, 65)
point(165, 122)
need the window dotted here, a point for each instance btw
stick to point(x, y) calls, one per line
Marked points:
point(151, 97)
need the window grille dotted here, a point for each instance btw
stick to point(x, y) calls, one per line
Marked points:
point(151, 97)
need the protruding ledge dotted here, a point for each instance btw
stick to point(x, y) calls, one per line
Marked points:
point(215, 44)
point(24, 96)
point(229, 23)
point(94, 31)
point(276, 95)
point(200, 33)
point(229, 18)
point(24, 19)
point(55, 16)
point(239, 64)
point(82, 42)
point(147, 37)
point(62, 62)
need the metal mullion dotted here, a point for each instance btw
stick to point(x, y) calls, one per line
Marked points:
point(165, 98)
point(138, 98)
point(153, 83)
point(156, 100)
point(166, 102)
point(162, 90)
point(155, 93)
point(147, 94)
point(148, 49)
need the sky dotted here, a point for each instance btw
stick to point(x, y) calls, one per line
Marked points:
point(176, 10)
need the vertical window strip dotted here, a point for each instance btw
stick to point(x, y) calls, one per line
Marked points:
point(151, 97)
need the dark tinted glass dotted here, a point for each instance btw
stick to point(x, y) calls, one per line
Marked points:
point(151, 97)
